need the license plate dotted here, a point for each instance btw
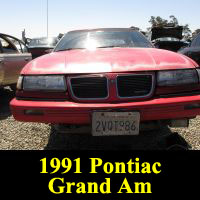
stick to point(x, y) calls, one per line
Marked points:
point(115, 123)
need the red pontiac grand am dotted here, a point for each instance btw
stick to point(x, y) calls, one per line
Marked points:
point(111, 80)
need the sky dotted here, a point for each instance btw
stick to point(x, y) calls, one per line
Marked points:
point(66, 15)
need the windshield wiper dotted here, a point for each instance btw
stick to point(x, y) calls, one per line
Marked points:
point(69, 49)
point(111, 46)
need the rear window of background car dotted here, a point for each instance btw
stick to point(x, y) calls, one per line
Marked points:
point(196, 42)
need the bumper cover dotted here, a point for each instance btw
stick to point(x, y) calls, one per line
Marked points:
point(80, 113)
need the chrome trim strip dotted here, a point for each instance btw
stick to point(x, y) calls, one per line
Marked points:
point(137, 97)
point(88, 76)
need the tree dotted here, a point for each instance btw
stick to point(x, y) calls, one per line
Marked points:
point(158, 21)
point(173, 21)
point(187, 33)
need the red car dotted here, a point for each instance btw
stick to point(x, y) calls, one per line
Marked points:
point(111, 80)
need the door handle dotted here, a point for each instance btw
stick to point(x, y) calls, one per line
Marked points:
point(1, 61)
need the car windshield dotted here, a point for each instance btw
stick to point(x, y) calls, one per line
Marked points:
point(43, 42)
point(102, 39)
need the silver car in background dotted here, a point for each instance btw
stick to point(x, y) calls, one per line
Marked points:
point(14, 56)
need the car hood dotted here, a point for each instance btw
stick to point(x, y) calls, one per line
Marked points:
point(162, 32)
point(107, 60)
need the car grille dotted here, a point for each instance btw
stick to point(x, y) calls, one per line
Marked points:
point(89, 87)
point(134, 86)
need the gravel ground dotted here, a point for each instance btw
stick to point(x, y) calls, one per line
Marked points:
point(34, 136)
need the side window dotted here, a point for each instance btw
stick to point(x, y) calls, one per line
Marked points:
point(23, 48)
point(7, 47)
point(19, 45)
point(16, 43)
point(196, 42)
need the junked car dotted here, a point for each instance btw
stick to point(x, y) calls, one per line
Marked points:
point(13, 57)
point(42, 46)
point(111, 80)
point(193, 50)
point(169, 38)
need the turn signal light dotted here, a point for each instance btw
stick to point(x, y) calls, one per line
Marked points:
point(34, 112)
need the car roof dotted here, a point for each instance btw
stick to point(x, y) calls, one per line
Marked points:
point(106, 29)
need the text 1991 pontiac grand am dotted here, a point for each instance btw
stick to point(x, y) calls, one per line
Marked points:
point(112, 80)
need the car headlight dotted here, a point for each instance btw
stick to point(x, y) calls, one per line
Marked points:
point(43, 83)
point(178, 77)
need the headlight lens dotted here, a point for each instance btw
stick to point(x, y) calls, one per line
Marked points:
point(44, 83)
point(177, 77)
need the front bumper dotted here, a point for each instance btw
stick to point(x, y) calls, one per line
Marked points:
point(80, 113)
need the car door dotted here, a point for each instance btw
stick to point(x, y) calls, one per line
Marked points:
point(14, 56)
point(1, 64)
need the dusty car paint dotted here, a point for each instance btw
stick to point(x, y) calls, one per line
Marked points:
point(107, 60)
point(11, 66)
point(80, 113)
